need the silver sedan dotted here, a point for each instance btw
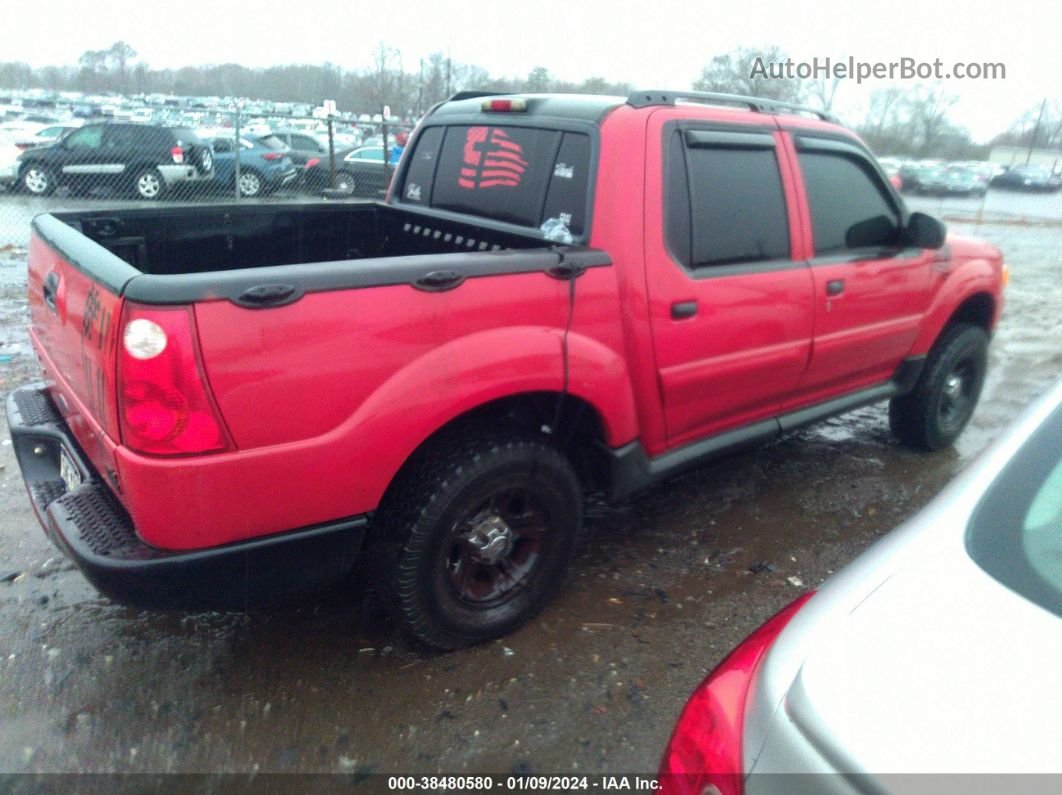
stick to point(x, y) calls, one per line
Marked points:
point(935, 653)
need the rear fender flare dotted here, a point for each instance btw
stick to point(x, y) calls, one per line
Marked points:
point(472, 371)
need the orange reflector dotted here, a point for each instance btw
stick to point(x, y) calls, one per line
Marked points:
point(504, 105)
point(1006, 275)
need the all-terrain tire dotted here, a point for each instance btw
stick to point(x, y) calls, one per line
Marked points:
point(475, 540)
point(933, 414)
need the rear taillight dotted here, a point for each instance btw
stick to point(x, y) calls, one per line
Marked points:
point(273, 155)
point(164, 405)
point(704, 754)
point(313, 161)
point(178, 155)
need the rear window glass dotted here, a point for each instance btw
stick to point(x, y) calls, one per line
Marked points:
point(1016, 531)
point(186, 135)
point(521, 175)
point(272, 142)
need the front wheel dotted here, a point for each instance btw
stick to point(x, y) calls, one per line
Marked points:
point(935, 412)
point(476, 542)
point(38, 180)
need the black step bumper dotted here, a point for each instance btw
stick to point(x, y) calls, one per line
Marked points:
point(93, 529)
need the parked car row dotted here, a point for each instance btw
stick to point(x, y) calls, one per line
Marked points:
point(147, 161)
point(1027, 177)
point(935, 178)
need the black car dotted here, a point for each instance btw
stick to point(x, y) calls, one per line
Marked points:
point(1027, 177)
point(951, 182)
point(145, 160)
point(359, 172)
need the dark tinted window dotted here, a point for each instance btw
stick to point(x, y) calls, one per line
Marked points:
point(1016, 531)
point(725, 204)
point(849, 208)
point(184, 135)
point(120, 137)
point(421, 173)
point(566, 199)
point(496, 172)
point(521, 175)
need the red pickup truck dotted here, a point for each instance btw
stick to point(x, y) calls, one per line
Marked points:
point(559, 294)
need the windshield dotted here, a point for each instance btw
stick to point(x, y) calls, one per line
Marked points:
point(1016, 532)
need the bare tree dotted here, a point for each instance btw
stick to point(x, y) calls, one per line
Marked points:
point(751, 72)
point(539, 80)
point(822, 90)
point(928, 107)
point(885, 109)
point(385, 78)
point(120, 54)
point(93, 70)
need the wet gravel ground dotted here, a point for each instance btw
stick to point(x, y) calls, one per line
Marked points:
point(663, 586)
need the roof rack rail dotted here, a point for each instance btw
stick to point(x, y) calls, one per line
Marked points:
point(644, 99)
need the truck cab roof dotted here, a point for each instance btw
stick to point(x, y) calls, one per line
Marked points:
point(592, 107)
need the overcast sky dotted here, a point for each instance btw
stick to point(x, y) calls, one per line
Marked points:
point(651, 44)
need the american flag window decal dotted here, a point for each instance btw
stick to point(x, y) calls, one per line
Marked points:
point(518, 174)
point(491, 159)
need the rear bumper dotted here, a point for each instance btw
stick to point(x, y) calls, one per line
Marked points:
point(91, 527)
point(180, 174)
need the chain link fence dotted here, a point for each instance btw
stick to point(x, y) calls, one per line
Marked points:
point(145, 154)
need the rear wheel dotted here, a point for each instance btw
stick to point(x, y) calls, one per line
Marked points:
point(38, 179)
point(935, 412)
point(148, 184)
point(477, 540)
point(344, 183)
point(251, 184)
point(204, 160)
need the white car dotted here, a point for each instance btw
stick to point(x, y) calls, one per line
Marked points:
point(9, 153)
point(935, 652)
point(46, 135)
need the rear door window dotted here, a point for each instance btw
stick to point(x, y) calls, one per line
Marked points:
point(725, 204)
point(85, 138)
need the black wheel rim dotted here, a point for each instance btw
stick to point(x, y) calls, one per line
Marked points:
point(493, 552)
point(957, 395)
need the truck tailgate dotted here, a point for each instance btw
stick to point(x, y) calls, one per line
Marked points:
point(74, 327)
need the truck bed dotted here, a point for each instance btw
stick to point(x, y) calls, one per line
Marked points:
point(268, 255)
point(187, 240)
